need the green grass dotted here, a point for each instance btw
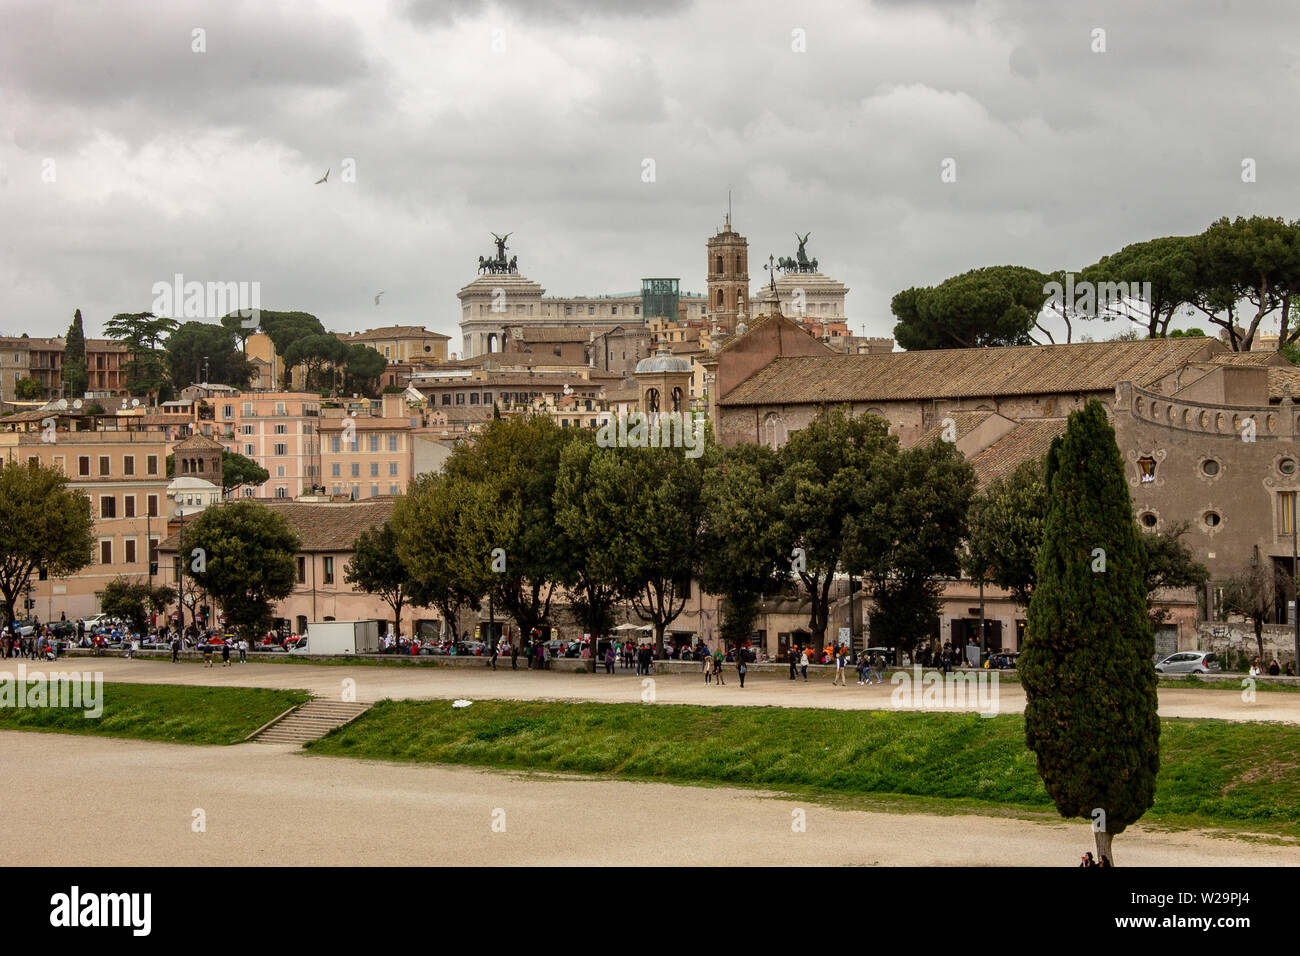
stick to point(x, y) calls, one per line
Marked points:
point(1213, 773)
point(190, 715)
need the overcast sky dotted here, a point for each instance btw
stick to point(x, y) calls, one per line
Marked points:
point(536, 117)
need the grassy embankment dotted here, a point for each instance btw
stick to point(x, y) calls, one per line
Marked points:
point(190, 715)
point(1213, 773)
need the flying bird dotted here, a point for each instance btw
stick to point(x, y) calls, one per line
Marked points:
point(322, 179)
point(377, 298)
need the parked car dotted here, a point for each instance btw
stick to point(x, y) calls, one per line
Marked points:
point(100, 620)
point(1190, 662)
point(269, 646)
point(24, 628)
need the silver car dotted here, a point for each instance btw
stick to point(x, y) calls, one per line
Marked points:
point(1190, 662)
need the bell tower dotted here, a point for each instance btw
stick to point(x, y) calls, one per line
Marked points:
point(728, 272)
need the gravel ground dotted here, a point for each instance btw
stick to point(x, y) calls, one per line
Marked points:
point(377, 682)
point(269, 804)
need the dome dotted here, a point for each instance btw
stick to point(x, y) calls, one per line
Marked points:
point(662, 362)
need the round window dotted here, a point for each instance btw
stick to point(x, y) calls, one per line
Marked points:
point(1286, 466)
point(1212, 519)
point(1148, 519)
point(1210, 467)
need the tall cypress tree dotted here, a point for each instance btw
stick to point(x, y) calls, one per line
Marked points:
point(75, 376)
point(1090, 687)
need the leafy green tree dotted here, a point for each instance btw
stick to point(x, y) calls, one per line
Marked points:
point(242, 554)
point(143, 334)
point(511, 472)
point(906, 534)
point(75, 377)
point(742, 556)
point(132, 601)
point(665, 532)
point(1169, 265)
point(363, 368)
point(195, 346)
point(823, 467)
point(234, 324)
point(1256, 259)
point(27, 389)
point(1006, 527)
point(1170, 564)
point(594, 505)
point(315, 353)
point(377, 568)
point(283, 329)
point(238, 470)
point(436, 526)
point(45, 524)
point(1086, 665)
point(996, 305)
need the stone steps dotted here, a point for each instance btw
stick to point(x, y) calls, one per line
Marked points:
point(311, 721)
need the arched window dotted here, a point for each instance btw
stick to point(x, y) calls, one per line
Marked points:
point(652, 400)
point(719, 269)
point(774, 432)
point(677, 398)
point(719, 298)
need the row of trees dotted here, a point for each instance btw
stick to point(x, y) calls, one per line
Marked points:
point(167, 355)
point(532, 509)
point(1233, 275)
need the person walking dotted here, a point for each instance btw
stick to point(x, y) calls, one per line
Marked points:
point(496, 649)
point(225, 653)
point(708, 668)
point(514, 656)
point(717, 666)
point(803, 663)
point(610, 658)
point(794, 660)
point(862, 669)
point(839, 668)
point(207, 654)
point(243, 650)
point(742, 658)
point(176, 648)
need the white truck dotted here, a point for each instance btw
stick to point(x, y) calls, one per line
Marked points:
point(340, 637)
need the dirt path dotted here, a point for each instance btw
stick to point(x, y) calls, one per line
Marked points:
point(377, 682)
point(267, 804)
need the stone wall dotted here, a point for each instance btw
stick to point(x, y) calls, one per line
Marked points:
point(1227, 640)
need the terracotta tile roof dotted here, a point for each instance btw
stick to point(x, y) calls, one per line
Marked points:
point(965, 373)
point(1279, 377)
point(321, 526)
point(965, 423)
point(1030, 440)
point(393, 332)
point(199, 443)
